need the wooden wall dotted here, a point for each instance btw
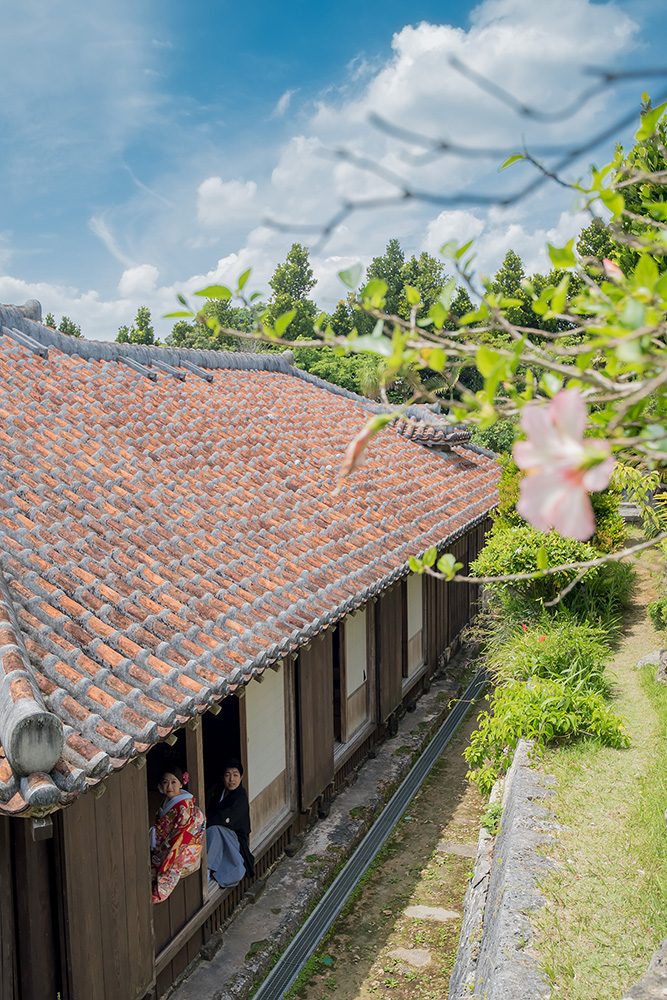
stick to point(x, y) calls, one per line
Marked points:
point(315, 719)
point(389, 652)
point(29, 938)
point(448, 607)
point(107, 909)
point(8, 955)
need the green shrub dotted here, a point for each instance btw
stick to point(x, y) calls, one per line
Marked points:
point(556, 648)
point(605, 594)
point(541, 710)
point(499, 437)
point(657, 612)
point(505, 514)
point(514, 550)
point(610, 528)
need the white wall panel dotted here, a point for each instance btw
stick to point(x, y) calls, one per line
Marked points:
point(265, 728)
point(415, 616)
point(355, 651)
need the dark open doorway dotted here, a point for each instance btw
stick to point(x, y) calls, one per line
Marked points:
point(221, 735)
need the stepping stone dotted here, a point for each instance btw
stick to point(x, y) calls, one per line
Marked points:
point(462, 850)
point(431, 913)
point(418, 958)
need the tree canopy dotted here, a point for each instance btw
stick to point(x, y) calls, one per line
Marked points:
point(141, 331)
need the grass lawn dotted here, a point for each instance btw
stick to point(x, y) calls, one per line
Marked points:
point(607, 906)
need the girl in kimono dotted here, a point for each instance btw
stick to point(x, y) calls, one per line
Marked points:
point(177, 837)
point(228, 829)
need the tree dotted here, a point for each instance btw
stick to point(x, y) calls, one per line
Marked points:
point(67, 326)
point(508, 282)
point(291, 282)
point(428, 276)
point(141, 331)
point(595, 243)
point(388, 267)
point(206, 332)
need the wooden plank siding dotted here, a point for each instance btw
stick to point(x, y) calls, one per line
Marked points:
point(34, 967)
point(8, 958)
point(106, 891)
point(389, 649)
point(315, 720)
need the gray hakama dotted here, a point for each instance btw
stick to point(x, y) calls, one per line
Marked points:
point(224, 859)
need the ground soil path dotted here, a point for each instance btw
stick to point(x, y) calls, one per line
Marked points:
point(398, 937)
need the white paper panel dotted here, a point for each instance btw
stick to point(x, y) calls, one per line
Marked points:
point(355, 651)
point(414, 605)
point(265, 726)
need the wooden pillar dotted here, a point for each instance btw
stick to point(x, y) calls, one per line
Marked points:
point(38, 952)
point(194, 752)
point(9, 986)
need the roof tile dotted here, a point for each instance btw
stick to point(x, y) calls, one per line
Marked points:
point(160, 538)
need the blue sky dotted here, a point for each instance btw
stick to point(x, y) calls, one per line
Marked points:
point(144, 145)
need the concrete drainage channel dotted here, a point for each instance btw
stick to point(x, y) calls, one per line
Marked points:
point(244, 951)
point(318, 923)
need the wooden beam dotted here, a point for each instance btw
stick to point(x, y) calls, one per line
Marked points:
point(194, 752)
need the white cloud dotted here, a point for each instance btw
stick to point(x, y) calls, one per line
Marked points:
point(138, 281)
point(495, 235)
point(211, 230)
point(283, 103)
point(101, 230)
point(219, 202)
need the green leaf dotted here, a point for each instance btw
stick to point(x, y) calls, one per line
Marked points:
point(563, 257)
point(244, 277)
point(447, 293)
point(448, 566)
point(177, 315)
point(351, 276)
point(542, 558)
point(462, 250)
point(379, 421)
point(437, 359)
point(559, 297)
point(215, 292)
point(438, 314)
point(181, 299)
point(283, 321)
point(614, 201)
point(646, 273)
point(376, 345)
point(449, 248)
point(551, 383)
point(513, 159)
point(415, 565)
point(487, 360)
point(649, 121)
point(412, 295)
point(430, 556)
point(375, 292)
point(658, 209)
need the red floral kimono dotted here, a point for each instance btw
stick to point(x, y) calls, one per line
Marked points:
point(176, 843)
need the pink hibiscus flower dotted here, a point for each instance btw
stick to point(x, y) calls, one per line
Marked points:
point(562, 466)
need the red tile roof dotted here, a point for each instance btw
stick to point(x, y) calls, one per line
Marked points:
point(163, 540)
